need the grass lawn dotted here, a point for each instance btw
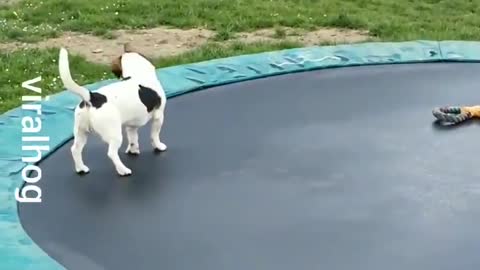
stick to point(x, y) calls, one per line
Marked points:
point(389, 20)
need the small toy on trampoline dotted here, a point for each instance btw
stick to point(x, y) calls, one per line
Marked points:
point(456, 114)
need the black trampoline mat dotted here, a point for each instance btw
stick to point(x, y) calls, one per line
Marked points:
point(331, 169)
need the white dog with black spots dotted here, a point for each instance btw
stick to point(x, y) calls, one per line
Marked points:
point(130, 103)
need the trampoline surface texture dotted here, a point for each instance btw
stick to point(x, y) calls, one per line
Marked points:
point(330, 169)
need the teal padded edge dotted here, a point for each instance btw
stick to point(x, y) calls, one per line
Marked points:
point(18, 251)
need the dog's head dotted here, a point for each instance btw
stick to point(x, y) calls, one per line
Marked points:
point(131, 63)
point(117, 67)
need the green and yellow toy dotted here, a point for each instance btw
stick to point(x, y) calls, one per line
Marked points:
point(456, 114)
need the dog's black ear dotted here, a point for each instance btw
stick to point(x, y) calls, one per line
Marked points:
point(117, 67)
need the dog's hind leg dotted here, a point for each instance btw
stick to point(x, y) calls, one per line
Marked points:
point(80, 139)
point(108, 125)
point(133, 147)
point(157, 123)
point(113, 136)
point(113, 147)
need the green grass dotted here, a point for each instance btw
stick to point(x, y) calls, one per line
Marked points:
point(387, 19)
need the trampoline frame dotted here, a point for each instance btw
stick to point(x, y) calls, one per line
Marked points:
point(17, 249)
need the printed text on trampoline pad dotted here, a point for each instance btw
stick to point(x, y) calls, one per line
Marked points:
point(32, 144)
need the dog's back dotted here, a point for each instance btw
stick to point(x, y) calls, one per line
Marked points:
point(137, 68)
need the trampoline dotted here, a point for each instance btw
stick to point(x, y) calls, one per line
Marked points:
point(338, 168)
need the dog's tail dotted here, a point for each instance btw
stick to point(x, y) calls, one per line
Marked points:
point(68, 82)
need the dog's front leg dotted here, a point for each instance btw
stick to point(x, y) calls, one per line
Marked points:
point(133, 147)
point(157, 123)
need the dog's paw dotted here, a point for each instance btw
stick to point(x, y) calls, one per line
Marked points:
point(124, 171)
point(82, 169)
point(133, 150)
point(160, 147)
